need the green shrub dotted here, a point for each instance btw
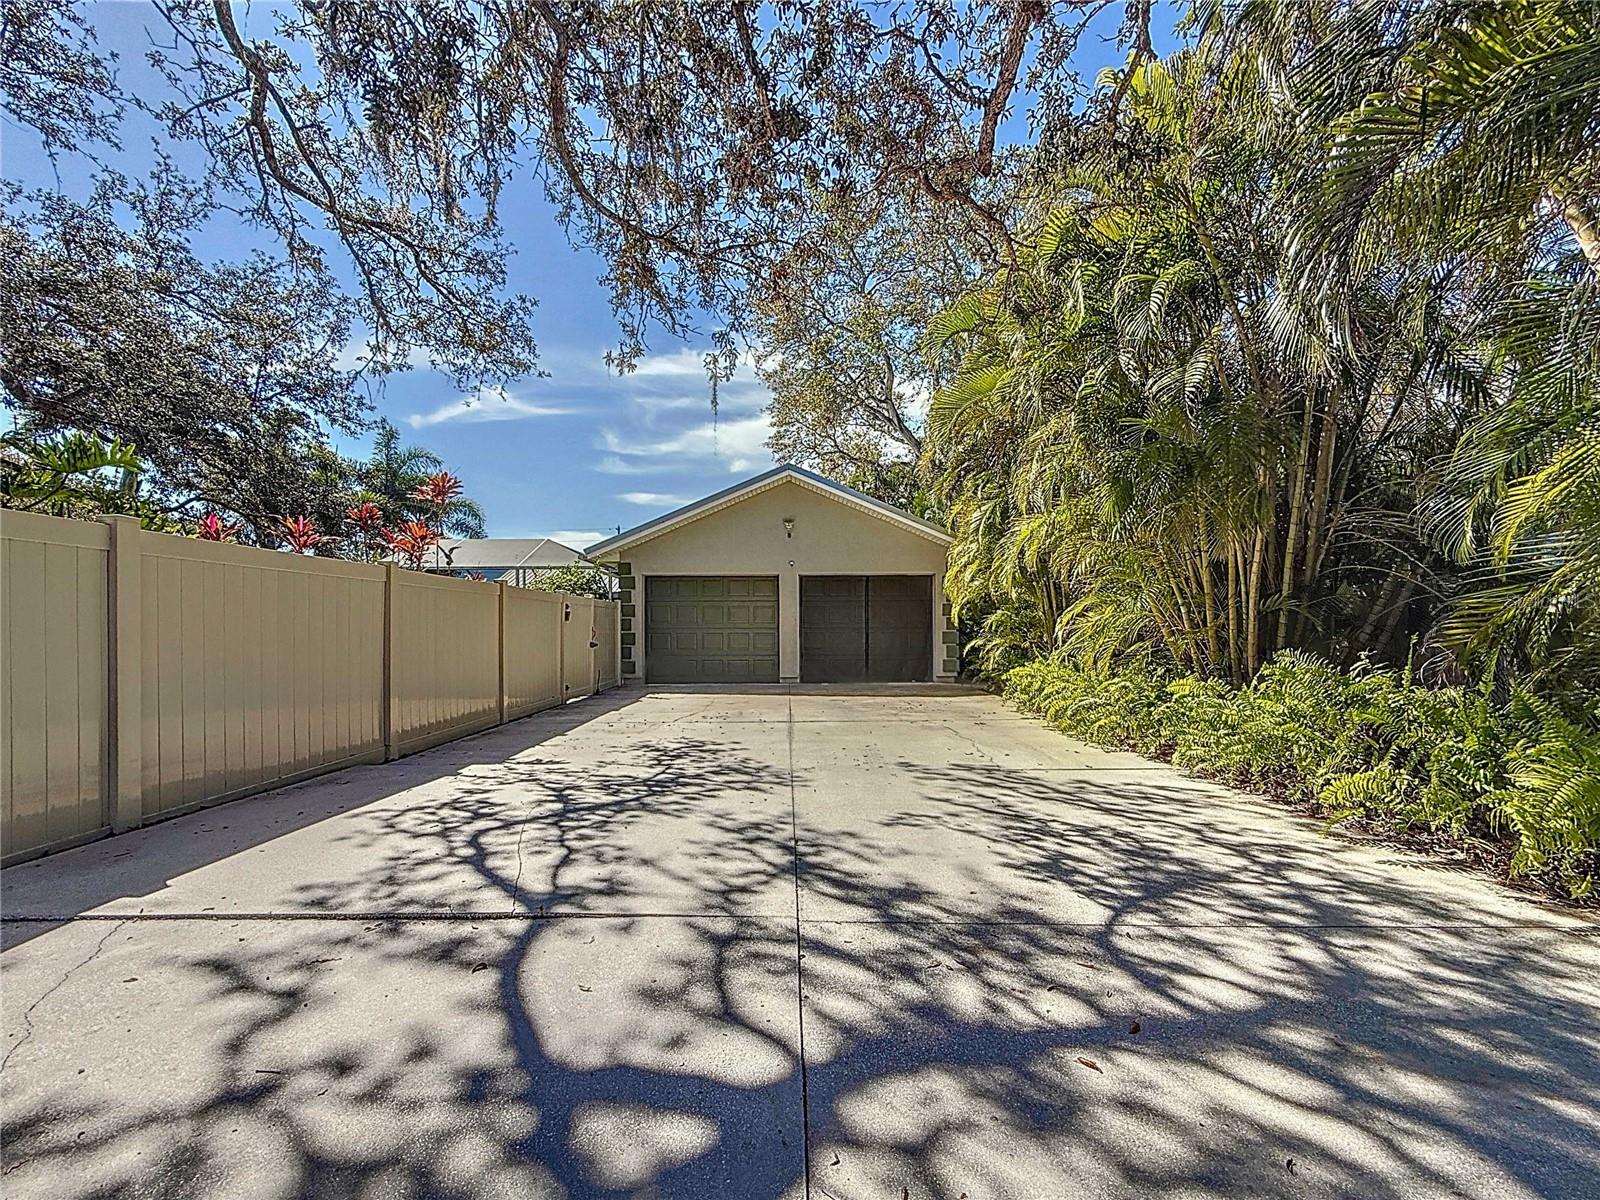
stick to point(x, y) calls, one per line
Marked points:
point(1369, 742)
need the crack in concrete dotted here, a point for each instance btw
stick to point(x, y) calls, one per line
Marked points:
point(27, 1016)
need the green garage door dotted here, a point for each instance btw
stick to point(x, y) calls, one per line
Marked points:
point(711, 629)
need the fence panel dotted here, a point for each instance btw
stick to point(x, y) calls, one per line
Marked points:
point(257, 668)
point(54, 684)
point(143, 675)
point(606, 624)
point(445, 671)
point(532, 650)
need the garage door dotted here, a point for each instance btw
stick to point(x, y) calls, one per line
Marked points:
point(711, 629)
point(873, 628)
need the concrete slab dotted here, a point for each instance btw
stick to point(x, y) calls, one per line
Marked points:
point(913, 824)
point(948, 738)
point(1028, 1061)
point(250, 1058)
point(555, 813)
point(565, 958)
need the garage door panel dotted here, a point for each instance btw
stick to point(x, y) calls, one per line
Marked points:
point(833, 633)
point(876, 628)
point(711, 629)
point(899, 627)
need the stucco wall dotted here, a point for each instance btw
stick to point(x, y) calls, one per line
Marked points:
point(748, 538)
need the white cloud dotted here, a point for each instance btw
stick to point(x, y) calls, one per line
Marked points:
point(662, 383)
point(739, 396)
point(612, 464)
point(654, 499)
point(578, 539)
point(687, 361)
point(667, 429)
point(739, 444)
point(495, 404)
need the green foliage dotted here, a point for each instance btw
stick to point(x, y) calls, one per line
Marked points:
point(1298, 366)
point(76, 475)
point(1553, 798)
point(65, 474)
point(222, 375)
point(576, 580)
point(1299, 349)
point(392, 478)
point(1368, 742)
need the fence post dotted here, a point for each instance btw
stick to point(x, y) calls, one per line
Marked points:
point(501, 585)
point(616, 642)
point(390, 716)
point(125, 691)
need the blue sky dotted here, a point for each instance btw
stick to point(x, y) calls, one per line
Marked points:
point(573, 455)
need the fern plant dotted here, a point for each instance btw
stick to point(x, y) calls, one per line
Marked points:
point(1365, 742)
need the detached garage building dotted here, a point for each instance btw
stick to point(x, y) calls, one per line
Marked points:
point(787, 577)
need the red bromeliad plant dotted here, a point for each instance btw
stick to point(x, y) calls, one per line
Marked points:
point(364, 531)
point(367, 517)
point(438, 489)
point(212, 528)
point(411, 542)
point(301, 534)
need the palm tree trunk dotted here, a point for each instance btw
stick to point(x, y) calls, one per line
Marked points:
point(1402, 603)
point(1297, 503)
point(1380, 606)
point(1047, 611)
point(1208, 589)
point(1585, 226)
point(1253, 620)
point(1236, 607)
point(1320, 497)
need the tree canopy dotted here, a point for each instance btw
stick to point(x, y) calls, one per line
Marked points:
point(692, 144)
point(221, 376)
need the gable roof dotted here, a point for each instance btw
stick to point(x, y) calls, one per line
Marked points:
point(785, 473)
point(500, 553)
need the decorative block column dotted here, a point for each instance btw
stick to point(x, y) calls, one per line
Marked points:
point(628, 598)
point(950, 642)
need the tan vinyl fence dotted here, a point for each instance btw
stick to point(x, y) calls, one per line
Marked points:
point(608, 654)
point(144, 675)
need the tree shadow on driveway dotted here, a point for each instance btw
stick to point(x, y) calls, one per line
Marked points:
point(616, 1009)
point(118, 874)
point(1253, 1009)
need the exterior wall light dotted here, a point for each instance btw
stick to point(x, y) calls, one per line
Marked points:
point(788, 527)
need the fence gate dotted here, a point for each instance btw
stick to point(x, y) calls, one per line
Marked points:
point(579, 641)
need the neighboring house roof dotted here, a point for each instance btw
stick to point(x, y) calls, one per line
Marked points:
point(786, 473)
point(479, 554)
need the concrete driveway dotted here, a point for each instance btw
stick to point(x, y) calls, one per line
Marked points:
point(783, 943)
